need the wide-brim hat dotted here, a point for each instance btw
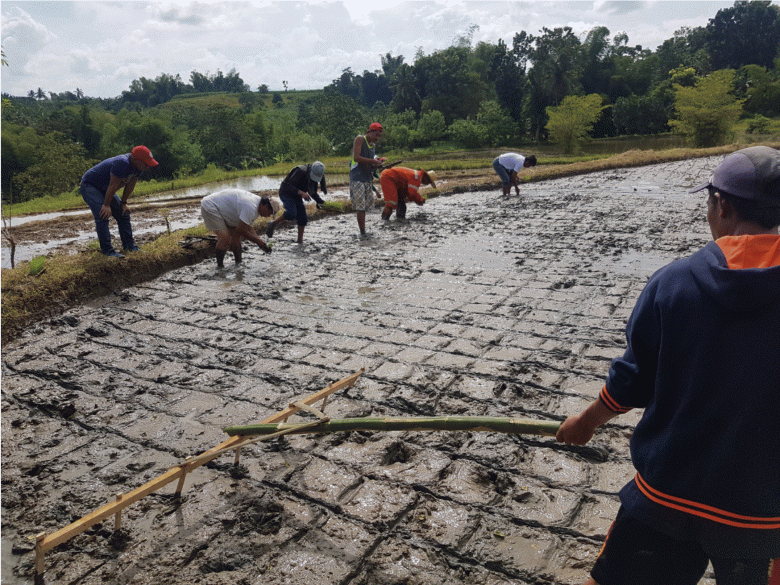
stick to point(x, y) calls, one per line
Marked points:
point(431, 176)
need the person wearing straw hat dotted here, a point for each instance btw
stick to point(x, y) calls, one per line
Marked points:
point(299, 184)
point(703, 361)
point(99, 187)
point(400, 185)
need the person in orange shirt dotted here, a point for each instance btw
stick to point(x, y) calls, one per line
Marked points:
point(400, 184)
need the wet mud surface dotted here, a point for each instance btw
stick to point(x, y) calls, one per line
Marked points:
point(475, 305)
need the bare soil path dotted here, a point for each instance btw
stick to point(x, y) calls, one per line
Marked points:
point(476, 305)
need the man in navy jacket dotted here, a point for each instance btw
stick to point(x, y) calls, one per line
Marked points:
point(703, 361)
point(299, 184)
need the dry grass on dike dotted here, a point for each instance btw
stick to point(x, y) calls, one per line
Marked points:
point(68, 280)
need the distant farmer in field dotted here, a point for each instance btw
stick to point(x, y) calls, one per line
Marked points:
point(99, 187)
point(400, 184)
point(230, 214)
point(361, 173)
point(703, 361)
point(299, 184)
point(508, 165)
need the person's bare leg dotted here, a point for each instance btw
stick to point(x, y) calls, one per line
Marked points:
point(235, 246)
point(361, 219)
point(300, 233)
point(223, 245)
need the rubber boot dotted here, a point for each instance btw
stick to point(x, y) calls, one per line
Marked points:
point(401, 211)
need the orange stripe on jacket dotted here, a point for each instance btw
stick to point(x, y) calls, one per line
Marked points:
point(611, 403)
point(705, 511)
point(401, 179)
point(759, 251)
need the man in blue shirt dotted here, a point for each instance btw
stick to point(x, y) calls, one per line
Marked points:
point(99, 187)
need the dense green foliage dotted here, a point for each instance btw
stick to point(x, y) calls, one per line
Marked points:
point(487, 95)
point(570, 122)
point(707, 111)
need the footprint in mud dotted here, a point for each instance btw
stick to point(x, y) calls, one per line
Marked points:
point(397, 452)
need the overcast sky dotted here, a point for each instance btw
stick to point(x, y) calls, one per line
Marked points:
point(101, 47)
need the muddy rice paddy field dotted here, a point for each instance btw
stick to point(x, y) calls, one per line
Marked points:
point(475, 305)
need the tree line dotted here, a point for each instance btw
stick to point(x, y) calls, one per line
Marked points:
point(551, 86)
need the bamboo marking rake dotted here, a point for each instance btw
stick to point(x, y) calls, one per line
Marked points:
point(45, 542)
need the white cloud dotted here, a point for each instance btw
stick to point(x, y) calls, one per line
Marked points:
point(617, 6)
point(24, 38)
point(102, 46)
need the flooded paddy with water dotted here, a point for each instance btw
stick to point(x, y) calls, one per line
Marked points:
point(476, 305)
point(70, 231)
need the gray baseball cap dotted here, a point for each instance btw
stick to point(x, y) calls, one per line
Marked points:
point(317, 171)
point(751, 173)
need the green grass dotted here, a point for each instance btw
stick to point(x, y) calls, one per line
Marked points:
point(35, 289)
point(773, 131)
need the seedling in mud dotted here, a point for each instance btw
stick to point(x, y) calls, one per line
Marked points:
point(37, 265)
point(337, 206)
point(165, 212)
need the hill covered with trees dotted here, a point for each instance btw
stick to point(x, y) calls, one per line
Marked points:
point(483, 95)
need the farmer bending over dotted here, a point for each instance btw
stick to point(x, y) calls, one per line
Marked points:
point(230, 214)
point(299, 184)
point(398, 185)
point(508, 165)
point(99, 187)
point(703, 361)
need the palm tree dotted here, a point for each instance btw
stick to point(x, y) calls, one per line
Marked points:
point(404, 86)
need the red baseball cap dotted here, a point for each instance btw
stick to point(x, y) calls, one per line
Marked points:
point(143, 154)
point(376, 126)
